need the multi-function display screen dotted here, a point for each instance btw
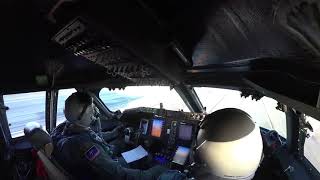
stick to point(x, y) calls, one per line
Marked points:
point(185, 132)
point(181, 155)
point(157, 125)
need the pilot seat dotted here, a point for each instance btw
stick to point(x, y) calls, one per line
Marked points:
point(42, 143)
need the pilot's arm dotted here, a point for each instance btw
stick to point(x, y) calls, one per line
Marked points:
point(110, 135)
point(100, 161)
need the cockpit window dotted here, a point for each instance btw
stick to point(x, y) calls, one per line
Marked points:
point(23, 108)
point(263, 111)
point(312, 143)
point(142, 96)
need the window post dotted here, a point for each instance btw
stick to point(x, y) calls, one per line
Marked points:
point(4, 127)
point(51, 109)
point(190, 98)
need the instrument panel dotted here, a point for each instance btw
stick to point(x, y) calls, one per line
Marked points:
point(168, 135)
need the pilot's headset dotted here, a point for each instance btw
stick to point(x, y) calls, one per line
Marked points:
point(79, 109)
point(230, 145)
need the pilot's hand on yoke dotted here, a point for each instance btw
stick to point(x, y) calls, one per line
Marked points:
point(119, 129)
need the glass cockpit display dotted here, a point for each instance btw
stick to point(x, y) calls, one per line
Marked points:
point(181, 155)
point(185, 132)
point(157, 125)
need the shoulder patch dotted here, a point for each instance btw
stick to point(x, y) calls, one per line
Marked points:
point(92, 153)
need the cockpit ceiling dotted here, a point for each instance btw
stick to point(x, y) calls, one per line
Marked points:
point(54, 44)
point(241, 30)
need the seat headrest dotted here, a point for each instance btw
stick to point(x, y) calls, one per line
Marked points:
point(37, 136)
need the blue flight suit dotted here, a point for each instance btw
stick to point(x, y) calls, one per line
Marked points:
point(85, 155)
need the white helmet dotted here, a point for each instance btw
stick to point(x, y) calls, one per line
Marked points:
point(230, 144)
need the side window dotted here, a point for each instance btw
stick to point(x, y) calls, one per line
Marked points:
point(63, 94)
point(143, 96)
point(312, 144)
point(24, 108)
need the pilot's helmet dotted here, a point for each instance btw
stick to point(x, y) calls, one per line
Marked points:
point(79, 109)
point(230, 144)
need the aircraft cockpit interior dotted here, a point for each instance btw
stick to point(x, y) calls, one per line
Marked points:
point(160, 90)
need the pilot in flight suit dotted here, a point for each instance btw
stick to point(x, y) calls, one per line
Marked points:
point(83, 153)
